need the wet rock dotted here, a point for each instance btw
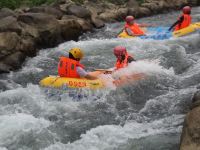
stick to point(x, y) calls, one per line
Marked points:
point(98, 23)
point(132, 3)
point(10, 24)
point(27, 46)
point(28, 30)
point(4, 68)
point(47, 26)
point(190, 137)
point(114, 15)
point(85, 24)
point(70, 28)
point(15, 60)
point(48, 10)
point(5, 12)
point(195, 100)
point(94, 8)
point(8, 43)
point(79, 11)
point(144, 12)
point(154, 7)
point(134, 12)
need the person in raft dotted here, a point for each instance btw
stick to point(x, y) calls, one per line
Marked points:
point(183, 21)
point(132, 28)
point(71, 67)
point(123, 58)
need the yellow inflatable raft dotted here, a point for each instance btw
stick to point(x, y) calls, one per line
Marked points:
point(58, 82)
point(164, 34)
point(192, 28)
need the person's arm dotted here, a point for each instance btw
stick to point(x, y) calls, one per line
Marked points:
point(129, 32)
point(83, 74)
point(179, 21)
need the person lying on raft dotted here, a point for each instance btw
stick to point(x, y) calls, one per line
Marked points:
point(123, 59)
point(183, 21)
point(132, 28)
point(71, 67)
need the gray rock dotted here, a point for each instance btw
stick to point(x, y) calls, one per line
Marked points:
point(10, 24)
point(98, 23)
point(8, 43)
point(5, 12)
point(15, 60)
point(79, 11)
point(48, 28)
point(70, 28)
point(48, 10)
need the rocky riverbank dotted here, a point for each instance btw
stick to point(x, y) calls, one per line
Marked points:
point(190, 137)
point(24, 31)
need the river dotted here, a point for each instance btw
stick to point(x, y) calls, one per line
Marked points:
point(145, 115)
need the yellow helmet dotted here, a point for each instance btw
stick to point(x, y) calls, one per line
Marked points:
point(76, 53)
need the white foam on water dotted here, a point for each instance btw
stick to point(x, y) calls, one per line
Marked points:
point(110, 137)
point(168, 104)
point(143, 66)
point(15, 125)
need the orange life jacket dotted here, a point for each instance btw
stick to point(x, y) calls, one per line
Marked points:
point(186, 22)
point(134, 28)
point(67, 67)
point(122, 64)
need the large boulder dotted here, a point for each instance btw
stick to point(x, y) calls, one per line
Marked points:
point(153, 6)
point(132, 4)
point(114, 15)
point(48, 10)
point(70, 28)
point(29, 31)
point(8, 43)
point(47, 26)
point(190, 137)
point(79, 11)
point(5, 12)
point(4, 68)
point(143, 11)
point(85, 24)
point(15, 60)
point(27, 46)
point(98, 23)
point(10, 24)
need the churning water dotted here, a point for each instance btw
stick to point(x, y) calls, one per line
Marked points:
point(145, 115)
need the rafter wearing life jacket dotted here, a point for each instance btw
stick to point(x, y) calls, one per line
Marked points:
point(135, 29)
point(67, 67)
point(183, 21)
point(122, 63)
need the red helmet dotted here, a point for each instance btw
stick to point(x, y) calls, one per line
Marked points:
point(129, 19)
point(119, 51)
point(187, 10)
